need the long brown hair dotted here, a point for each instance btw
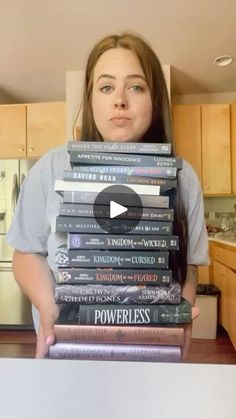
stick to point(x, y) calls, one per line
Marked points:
point(160, 129)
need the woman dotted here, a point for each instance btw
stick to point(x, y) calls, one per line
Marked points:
point(125, 99)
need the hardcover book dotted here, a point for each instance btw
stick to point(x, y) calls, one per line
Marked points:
point(116, 226)
point(132, 314)
point(154, 201)
point(73, 175)
point(84, 157)
point(113, 276)
point(66, 330)
point(120, 294)
point(120, 241)
point(107, 352)
point(155, 171)
point(120, 147)
point(87, 210)
point(111, 258)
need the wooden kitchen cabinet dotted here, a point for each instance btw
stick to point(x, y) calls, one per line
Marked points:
point(202, 137)
point(216, 164)
point(187, 134)
point(233, 145)
point(30, 130)
point(12, 131)
point(224, 277)
point(220, 278)
point(45, 127)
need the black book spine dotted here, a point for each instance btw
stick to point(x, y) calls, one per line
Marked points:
point(157, 172)
point(113, 147)
point(73, 175)
point(108, 241)
point(114, 276)
point(87, 210)
point(118, 294)
point(134, 314)
point(83, 157)
point(111, 258)
point(89, 225)
point(90, 197)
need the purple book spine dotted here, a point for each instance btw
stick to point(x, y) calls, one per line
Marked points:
point(107, 352)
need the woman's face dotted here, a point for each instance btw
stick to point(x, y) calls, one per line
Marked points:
point(121, 100)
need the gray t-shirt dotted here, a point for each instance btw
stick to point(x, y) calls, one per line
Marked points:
point(32, 228)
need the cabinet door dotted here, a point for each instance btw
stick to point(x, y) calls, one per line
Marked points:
point(220, 280)
point(187, 134)
point(12, 131)
point(45, 127)
point(233, 146)
point(232, 306)
point(216, 165)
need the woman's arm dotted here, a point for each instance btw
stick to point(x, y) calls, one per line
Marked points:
point(189, 291)
point(33, 275)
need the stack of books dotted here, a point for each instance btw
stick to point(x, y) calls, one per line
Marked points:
point(119, 298)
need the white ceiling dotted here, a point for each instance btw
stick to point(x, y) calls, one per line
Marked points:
point(41, 39)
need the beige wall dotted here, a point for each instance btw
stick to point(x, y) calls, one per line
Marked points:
point(204, 98)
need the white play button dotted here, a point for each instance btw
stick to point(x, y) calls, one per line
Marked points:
point(116, 209)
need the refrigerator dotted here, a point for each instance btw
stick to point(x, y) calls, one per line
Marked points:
point(15, 308)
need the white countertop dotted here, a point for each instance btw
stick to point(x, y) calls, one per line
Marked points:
point(48, 389)
point(223, 241)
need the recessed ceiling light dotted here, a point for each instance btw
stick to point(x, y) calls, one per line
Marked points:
point(223, 60)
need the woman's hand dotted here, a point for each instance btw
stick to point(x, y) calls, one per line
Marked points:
point(46, 337)
point(188, 333)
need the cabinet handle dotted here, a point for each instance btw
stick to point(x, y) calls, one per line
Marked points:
point(31, 149)
point(207, 188)
point(21, 150)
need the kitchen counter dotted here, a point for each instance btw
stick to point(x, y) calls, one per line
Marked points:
point(96, 389)
point(227, 242)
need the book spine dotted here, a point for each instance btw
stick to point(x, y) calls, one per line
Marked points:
point(112, 147)
point(107, 352)
point(90, 225)
point(117, 294)
point(120, 334)
point(73, 175)
point(114, 276)
point(90, 197)
point(111, 258)
point(83, 157)
point(83, 210)
point(135, 314)
point(163, 172)
point(104, 241)
point(62, 185)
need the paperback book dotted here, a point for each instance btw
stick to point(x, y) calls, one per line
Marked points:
point(66, 185)
point(120, 147)
point(89, 225)
point(111, 258)
point(154, 201)
point(113, 276)
point(84, 157)
point(120, 294)
point(103, 211)
point(132, 314)
point(67, 330)
point(73, 175)
point(155, 171)
point(107, 352)
point(121, 241)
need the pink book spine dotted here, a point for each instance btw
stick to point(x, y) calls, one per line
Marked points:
point(106, 352)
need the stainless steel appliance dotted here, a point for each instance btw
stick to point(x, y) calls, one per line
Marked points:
point(15, 308)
